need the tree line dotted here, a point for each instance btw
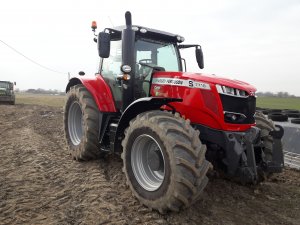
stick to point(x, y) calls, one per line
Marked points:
point(281, 94)
point(41, 91)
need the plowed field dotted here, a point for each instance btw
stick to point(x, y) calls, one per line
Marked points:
point(41, 184)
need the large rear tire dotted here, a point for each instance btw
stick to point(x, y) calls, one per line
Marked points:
point(81, 124)
point(164, 161)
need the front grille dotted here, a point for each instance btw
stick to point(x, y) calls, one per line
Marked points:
point(239, 105)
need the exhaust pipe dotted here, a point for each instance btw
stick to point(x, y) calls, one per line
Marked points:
point(128, 42)
point(128, 19)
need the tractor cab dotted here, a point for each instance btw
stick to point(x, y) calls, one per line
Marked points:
point(130, 54)
point(149, 55)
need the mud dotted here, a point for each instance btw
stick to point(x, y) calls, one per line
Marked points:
point(41, 184)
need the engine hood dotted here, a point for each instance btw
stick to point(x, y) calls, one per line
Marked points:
point(213, 79)
point(209, 79)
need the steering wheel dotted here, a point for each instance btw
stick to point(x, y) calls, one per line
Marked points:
point(146, 62)
point(151, 66)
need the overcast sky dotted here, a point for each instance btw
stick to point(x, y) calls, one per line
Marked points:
point(257, 41)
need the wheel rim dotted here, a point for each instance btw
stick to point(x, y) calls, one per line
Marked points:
point(147, 162)
point(75, 123)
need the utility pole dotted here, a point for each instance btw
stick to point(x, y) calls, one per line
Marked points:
point(69, 76)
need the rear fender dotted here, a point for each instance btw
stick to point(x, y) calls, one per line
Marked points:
point(137, 107)
point(98, 89)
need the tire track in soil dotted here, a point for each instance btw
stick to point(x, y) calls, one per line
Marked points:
point(41, 184)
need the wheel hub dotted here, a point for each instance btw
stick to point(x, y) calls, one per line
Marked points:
point(155, 160)
point(147, 162)
point(75, 123)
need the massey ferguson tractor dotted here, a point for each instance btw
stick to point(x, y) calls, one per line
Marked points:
point(169, 126)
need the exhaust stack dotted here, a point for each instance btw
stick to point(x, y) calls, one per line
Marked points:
point(128, 37)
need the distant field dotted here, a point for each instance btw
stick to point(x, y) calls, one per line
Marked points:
point(278, 103)
point(59, 101)
point(40, 99)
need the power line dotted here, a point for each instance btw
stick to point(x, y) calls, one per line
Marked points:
point(31, 60)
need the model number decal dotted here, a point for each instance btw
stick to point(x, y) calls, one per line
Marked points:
point(181, 82)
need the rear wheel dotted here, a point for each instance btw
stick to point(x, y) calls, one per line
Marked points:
point(81, 124)
point(164, 161)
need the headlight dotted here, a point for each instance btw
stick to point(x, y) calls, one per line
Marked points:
point(143, 30)
point(180, 39)
point(126, 69)
point(234, 117)
point(222, 89)
point(135, 28)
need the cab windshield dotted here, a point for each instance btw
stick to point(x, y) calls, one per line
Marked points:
point(159, 54)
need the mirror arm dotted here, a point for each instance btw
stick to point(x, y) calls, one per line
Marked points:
point(188, 46)
point(199, 53)
point(95, 38)
point(184, 63)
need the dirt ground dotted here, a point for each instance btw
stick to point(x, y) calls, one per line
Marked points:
point(41, 184)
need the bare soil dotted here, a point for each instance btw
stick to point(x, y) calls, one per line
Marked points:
point(41, 184)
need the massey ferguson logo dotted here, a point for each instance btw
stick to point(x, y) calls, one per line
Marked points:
point(181, 82)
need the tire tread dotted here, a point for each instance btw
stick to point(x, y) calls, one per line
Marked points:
point(190, 176)
point(89, 147)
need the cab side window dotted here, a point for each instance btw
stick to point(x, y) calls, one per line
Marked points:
point(167, 57)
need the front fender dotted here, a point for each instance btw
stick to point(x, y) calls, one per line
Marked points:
point(137, 107)
point(98, 89)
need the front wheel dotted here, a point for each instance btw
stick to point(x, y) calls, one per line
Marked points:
point(81, 124)
point(164, 161)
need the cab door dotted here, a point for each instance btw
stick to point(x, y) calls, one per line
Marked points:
point(110, 69)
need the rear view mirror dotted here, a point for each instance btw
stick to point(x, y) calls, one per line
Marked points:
point(199, 57)
point(104, 44)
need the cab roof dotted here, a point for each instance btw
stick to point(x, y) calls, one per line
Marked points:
point(149, 34)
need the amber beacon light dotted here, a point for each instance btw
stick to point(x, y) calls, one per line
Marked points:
point(94, 25)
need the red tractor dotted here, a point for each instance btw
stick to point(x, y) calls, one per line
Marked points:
point(169, 126)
